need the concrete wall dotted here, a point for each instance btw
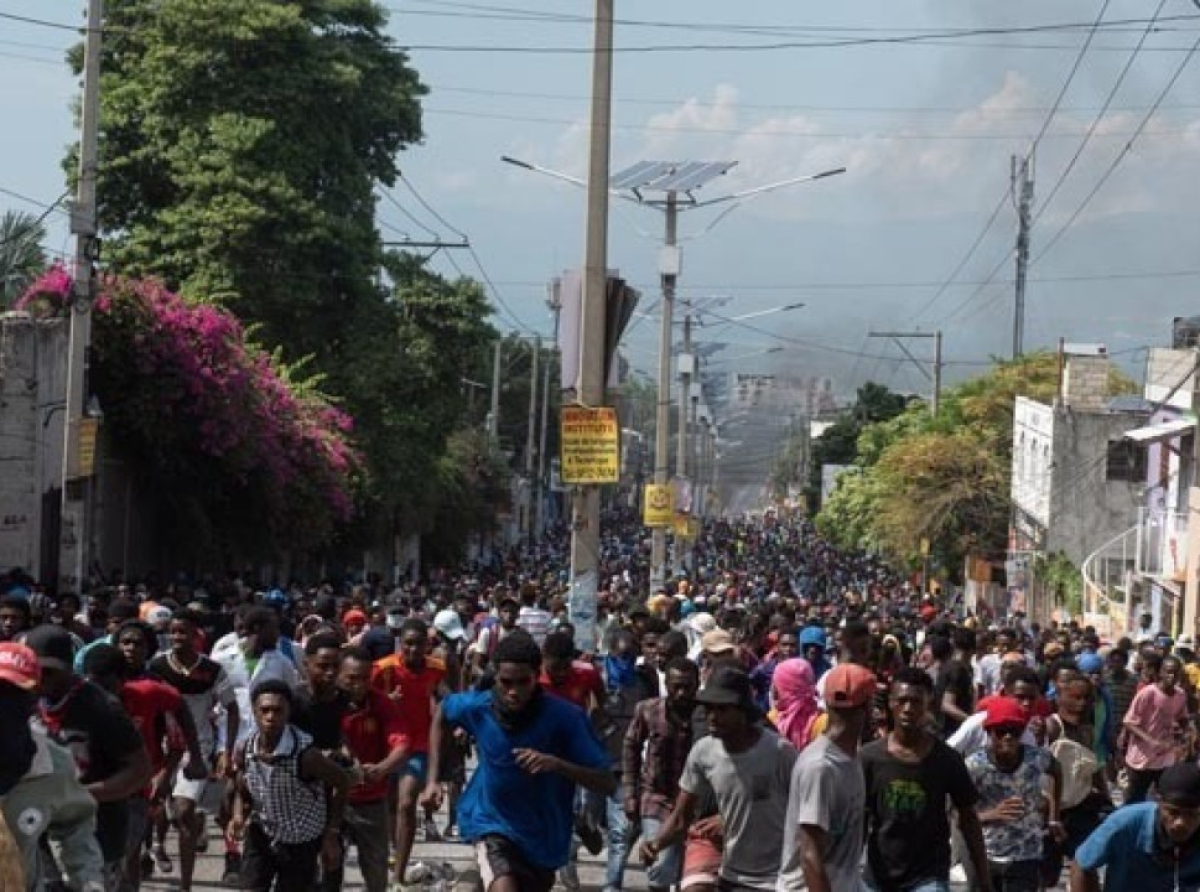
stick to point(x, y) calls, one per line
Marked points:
point(32, 391)
point(1085, 383)
point(1087, 510)
point(1033, 436)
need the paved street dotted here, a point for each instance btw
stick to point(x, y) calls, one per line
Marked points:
point(209, 867)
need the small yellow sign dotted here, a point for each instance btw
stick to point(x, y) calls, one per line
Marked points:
point(658, 506)
point(591, 445)
point(686, 526)
point(88, 428)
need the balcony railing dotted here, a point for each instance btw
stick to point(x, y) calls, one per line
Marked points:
point(1162, 544)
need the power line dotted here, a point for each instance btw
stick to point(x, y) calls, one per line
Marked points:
point(1125, 151)
point(405, 211)
point(1087, 137)
point(950, 279)
point(1070, 77)
point(777, 133)
point(496, 293)
point(525, 14)
point(36, 222)
point(425, 204)
point(850, 109)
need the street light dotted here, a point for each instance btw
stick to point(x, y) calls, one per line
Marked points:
point(676, 182)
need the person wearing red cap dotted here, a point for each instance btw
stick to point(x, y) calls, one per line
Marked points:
point(823, 836)
point(1008, 775)
point(40, 792)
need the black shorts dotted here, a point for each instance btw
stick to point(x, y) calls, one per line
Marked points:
point(500, 857)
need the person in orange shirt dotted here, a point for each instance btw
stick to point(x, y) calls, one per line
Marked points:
point(416, 681)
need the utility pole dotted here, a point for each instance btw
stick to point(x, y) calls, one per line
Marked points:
point(934, 377)
point(585, 520)
point(540, 486)
point(669, 268)
point(530, 464)
point(1022, 188)
point(74, 535)
point(494, 415)
point(685, 399)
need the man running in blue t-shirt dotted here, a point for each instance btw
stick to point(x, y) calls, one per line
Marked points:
point(517, 809)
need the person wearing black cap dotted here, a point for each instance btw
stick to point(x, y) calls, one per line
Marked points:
point(1148, 846)
point(749, 771)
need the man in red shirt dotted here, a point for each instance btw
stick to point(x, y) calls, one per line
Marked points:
point(373, 733)
point(413, 680)
point(566, 677)
point(151, 704)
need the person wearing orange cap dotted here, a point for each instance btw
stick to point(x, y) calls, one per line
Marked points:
point(1008, 775)
point(823, 836)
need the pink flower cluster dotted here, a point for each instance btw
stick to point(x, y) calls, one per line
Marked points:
point(194, 382)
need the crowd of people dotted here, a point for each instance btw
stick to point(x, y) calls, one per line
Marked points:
point(780, 715)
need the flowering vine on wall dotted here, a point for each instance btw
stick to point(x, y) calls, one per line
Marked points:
point(187, 391)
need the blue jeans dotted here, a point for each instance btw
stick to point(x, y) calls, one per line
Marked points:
point(611, 810)
point(667, 868)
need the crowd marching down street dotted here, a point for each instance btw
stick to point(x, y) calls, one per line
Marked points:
point(781, 716)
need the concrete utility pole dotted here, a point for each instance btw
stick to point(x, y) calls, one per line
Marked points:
point(668, 267)
point(685, 393)
point(539, 490)
point(585, 520)
point(530, 464)
point(74, 535)
point(934, 377)
point(1022, 187)
point(494, 415)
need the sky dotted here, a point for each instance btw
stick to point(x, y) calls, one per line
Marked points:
point(917, 235)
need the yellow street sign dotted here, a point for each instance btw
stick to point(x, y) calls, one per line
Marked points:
point(658, 506)
point(591, 445)
point(88, 428)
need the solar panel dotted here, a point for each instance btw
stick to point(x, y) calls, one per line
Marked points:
point(669, 176)
point(640, 174)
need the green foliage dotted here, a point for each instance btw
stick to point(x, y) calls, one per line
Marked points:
point(839, 444)
point(1062, 578)
point(241, 142)
point(404, 378)
point(21, 255)
point(946, 479)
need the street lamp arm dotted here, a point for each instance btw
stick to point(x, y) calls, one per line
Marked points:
point(769, 187)
point(744, 316)
point(565, 177)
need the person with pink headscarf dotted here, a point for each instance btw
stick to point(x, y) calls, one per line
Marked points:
point(796, 713)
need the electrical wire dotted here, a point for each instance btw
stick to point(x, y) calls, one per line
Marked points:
point(1121, 156)
point(951, 279)
point(811, 135)
point(34, 224)
point(1083, 49)
point(1087, 137)
point(425, 204)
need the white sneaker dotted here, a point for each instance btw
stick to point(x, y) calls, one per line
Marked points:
point(958, 874)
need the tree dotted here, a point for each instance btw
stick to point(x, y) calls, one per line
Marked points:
point(241, 143)
point(244, 455)
point(944, 479)
point(21, 254)
point(838, 445)
point(404, 376)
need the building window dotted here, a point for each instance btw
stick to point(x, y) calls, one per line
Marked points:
point(1126, 461)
